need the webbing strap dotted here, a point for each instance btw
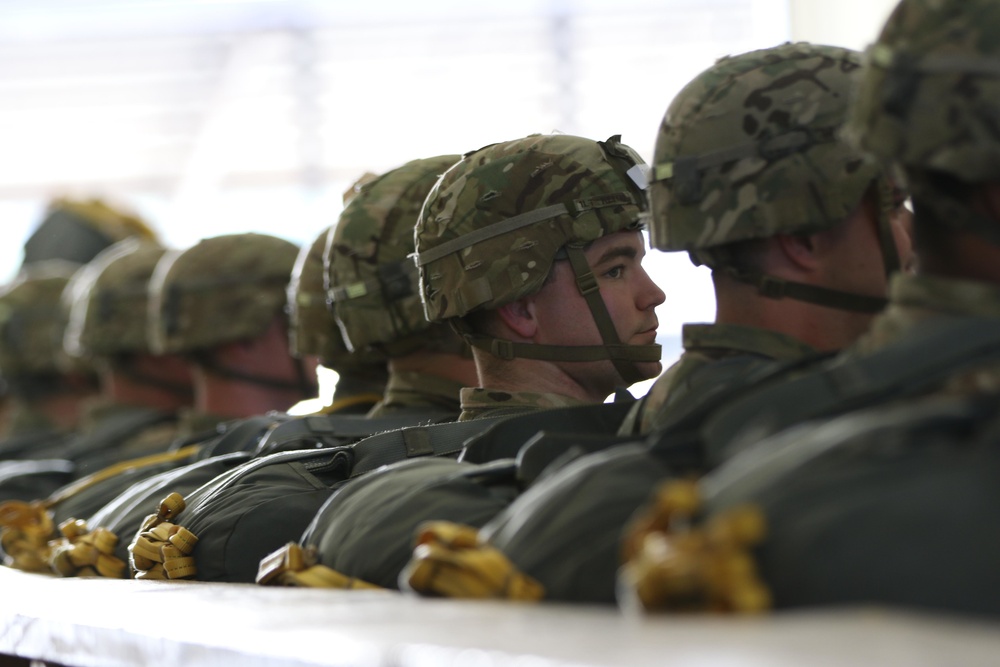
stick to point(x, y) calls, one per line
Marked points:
point(885, 57)
point(587, 284)
point(112, 471)
point(886, 241)
point(401, 444)
point(519, 221)
point(777, 288)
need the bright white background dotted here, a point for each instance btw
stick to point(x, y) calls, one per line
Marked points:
point(211, 117)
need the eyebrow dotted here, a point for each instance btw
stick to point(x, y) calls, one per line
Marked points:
point(625, 251)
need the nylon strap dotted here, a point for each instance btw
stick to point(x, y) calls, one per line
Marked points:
point(766, 147)
point(576, 207)
point(776, 288)
point(587, 284)
point(884, 57)
point(890, 255)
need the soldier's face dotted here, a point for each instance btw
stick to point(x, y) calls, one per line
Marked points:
point(629, 294)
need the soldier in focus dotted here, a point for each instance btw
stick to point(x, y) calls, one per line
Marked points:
point(515, 244)
point(778, 207)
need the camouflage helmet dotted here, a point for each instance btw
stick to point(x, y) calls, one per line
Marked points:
point(76, 230)
point(751, 148)
point(107, 301)
point(33, 321)
point(225, 288)
point(929, 99)
point(494, 224)
point(312, 328)
point(371, 278)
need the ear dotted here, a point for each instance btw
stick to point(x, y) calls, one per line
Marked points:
point(519, 317)
point(801, 251)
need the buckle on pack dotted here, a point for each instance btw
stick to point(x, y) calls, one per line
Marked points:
point(773, 288)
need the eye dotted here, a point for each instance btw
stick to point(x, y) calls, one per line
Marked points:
point(615, 272)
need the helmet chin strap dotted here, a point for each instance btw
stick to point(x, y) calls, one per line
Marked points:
point(778, 288)
point(624, 357)
point(301, 382)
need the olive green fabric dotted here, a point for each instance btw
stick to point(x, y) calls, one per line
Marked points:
point(690, 382)
point(479, 403)
point(409, 390)
point(222, 289)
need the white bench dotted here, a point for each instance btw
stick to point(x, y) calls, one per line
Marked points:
point(107, 623)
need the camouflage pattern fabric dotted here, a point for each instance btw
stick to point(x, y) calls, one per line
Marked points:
point(486, 190)
point(478, 403)
point(76, 230)
point(749, 149)
point(223, 289)
point(107, 300)
point(33, 320)
point(931, 89)
point(914, 301)
point(704, 345)
point(371, 279)
point(408, 389)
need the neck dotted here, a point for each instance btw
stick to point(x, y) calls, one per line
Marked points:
point(444, 365)
point(534, 375)
point(130, 388)
point(230, 397)
point(822, 328)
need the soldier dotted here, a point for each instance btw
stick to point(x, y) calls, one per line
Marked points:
point(516, 241)
point(222, 303)
point(372, 286)
point(75, 230)
point(141, 393)
point(889, 503)
point(313, 332)
point(752, 180)
point(799, 228)
point(45, 388)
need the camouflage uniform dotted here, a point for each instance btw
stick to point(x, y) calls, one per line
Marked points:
point(893, 501)
point(749, 150)
point(478, 402)
point(696, 372)
point(409, 389)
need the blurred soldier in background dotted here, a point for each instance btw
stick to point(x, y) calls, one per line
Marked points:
point(222, 304)
point(142, 393)
point(313, 333)
point(45, 388)
point(519, 239)
point(373, 288)
point(76, 230)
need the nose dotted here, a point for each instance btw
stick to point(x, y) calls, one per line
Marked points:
point(649, 295)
